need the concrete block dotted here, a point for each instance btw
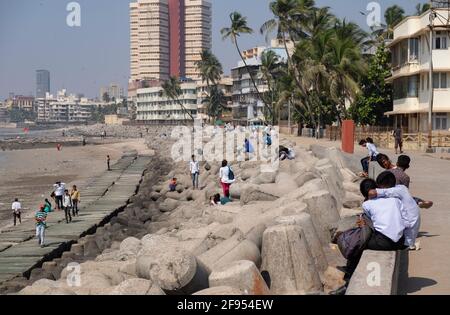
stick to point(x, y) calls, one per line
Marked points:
point(243, 275)
point(287, 263)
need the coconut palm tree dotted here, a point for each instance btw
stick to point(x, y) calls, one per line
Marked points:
point(172, 90)
point(214, 102)
point(270, 71)
point(393, 15)
point(239, 26)
point(210, 68)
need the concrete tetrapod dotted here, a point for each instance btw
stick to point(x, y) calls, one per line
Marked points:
point(233, 249)
point(242, 275)
point(173, 269)
point(287, 263)
point(324, 213)
point(304, 221)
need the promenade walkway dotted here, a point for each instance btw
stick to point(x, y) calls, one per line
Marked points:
point(102, 198)
point(429, 268)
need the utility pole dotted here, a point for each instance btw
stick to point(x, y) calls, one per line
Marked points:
point(430, 79)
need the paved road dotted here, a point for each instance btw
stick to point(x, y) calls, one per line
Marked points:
point(429, 268)
point(19, 252)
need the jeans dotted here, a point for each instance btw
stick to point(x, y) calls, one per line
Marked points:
point(195, 179)
point(17, 216)
point(67, 214)
point(378, 242)
point(75, 207)
point(59, 203)
point(40, 234)
point(365, 163)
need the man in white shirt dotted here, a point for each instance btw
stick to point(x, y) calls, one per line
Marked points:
point(17, 209)
point(59, 193)
point(388, 223)
point(386, 182)
point(194, 168)
point(372, 156)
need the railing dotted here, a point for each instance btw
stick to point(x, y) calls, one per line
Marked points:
point(383, 137)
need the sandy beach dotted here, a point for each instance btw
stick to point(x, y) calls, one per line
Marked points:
point(29, 174)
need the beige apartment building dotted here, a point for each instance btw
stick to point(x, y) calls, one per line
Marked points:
point(167, 37)
point(412, 54)
point(149, 40)
point(198, 34)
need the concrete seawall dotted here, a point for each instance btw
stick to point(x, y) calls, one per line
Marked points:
point(104, 197)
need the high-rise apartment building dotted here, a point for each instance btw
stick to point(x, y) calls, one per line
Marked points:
point(167, 37)
point(42, 83)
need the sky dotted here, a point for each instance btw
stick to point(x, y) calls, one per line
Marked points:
point(34, 35)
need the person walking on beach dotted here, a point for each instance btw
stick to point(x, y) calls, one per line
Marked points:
point(75, 195)
point(226, 178)
point(17, 209)
point(398, 136)
point(41, 225)
point(195, 172)
point(59, 192)
point(108, 162)
point(67, 204)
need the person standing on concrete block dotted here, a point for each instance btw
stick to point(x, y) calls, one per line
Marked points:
point(194, 169)
point(41, 225)
point(67, 205)
point(17, 209)
point(75, 195)
point(226, 178)
point(372, 156)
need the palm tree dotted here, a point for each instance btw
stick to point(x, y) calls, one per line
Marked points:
point(393, 15)
point(215, 103)
point(210, 68)
point(239, 26)
point(422, 8)
point(270, 70)
point(172, 90)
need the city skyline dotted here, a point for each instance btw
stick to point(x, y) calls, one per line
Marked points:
point(35, 36)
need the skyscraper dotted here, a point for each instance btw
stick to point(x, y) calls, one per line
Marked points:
point(42, 83)
point(167, 37)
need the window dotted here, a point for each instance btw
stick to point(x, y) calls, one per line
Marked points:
point(413, 49)
point(406, 87)
point(440, 80)
point(440, 121)
point(440, 40)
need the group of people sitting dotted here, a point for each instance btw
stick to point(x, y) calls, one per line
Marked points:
point(391, 215)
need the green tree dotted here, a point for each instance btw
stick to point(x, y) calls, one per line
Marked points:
point(19, 115)
point(239, 26)
point(106, 98)
point(393, 15)
point(422, 8)
point(215, 103)
point(172, 90)
point(270, 71)
point(210, 68)
point(376, 97)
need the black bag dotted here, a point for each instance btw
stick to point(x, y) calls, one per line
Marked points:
point(352, 243)
point(230, 174)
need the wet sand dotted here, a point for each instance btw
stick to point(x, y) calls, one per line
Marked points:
point(29, 174)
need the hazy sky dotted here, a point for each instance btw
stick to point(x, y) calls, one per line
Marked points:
point(34, 35)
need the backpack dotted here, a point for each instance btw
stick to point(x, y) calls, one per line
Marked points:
point(230, 174)
point(352, 243)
